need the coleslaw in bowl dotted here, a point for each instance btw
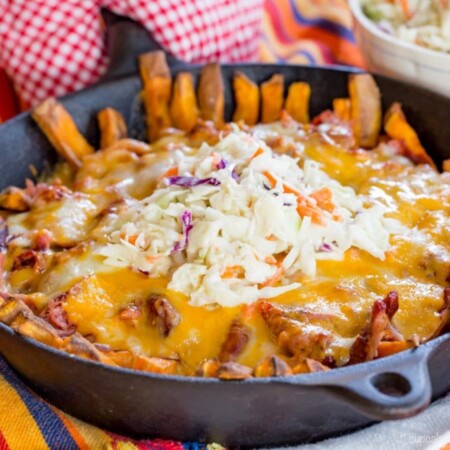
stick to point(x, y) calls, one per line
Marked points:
point(422, 22)
point(389, 54)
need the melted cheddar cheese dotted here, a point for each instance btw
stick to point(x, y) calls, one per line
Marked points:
point(335, 303)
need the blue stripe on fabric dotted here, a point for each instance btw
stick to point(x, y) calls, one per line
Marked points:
point(324, 24)
point(193, 446)
point(307, 55)
point(52, 428)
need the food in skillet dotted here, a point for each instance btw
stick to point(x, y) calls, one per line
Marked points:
point(231, 250)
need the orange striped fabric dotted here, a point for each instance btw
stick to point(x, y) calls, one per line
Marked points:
point(294, 31)
point(309, 32)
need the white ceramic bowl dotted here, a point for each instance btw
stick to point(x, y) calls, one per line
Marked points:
point(391, 56)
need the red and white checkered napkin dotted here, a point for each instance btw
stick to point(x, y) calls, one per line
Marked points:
point(52, 47)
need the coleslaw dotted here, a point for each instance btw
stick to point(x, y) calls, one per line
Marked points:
point(422, 22)
point(240, 222)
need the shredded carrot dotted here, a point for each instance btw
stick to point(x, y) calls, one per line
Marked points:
point(277, 275)
point(270, 260)
point(151, 258)
point(172, 172)
point(216, 159)
point(309, 211)
point(232, 272)
point(324, 199)
point(289, 190)
point(132, 238)
point(271, 281)
point(271, 178)
point(305, 207)
point(407, 13)
point(258, 152)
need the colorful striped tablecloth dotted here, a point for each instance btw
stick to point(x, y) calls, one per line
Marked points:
point(297, 31)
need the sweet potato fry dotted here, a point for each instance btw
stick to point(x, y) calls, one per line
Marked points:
point(123, 358)
point(157, 83)
point(31, 326)
point(10, 308)
point(112, 127)
point(60, 129)
point(390, 348)
point(213, 368)
point(397, 127)
point(17, 314)
point(156, 365)
point(14, 199)
point(183, 107)
point(446, 165)
point(209, 368)
point(272, 92)
point(365, 102)
point(272, 366)
point(297, 101)
point(233, 371)
point(246, 94)
point(79, 346)
point(131, 145)
point(211, 97)
point(342, 107)
point(316, 366)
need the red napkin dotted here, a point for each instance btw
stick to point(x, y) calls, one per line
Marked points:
point(53, 47)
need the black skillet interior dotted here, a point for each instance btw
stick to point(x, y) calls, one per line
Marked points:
point(257, 412)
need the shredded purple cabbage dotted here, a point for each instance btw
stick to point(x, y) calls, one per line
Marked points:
point(186, 225)
point(326, 247)
point(234, 175)
point(222, 164)
point(190, 181)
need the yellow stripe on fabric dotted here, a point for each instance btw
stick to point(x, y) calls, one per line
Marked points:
point(126, 446)
point(15, 418)
point(92, 436)
point(335, 10)
point(275, 49)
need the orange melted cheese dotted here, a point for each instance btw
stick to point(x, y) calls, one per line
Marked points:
point(338, 299)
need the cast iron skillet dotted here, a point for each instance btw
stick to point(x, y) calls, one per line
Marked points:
point(255, 412)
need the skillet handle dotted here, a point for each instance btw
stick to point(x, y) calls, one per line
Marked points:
point(126, 40)
point(398, 390)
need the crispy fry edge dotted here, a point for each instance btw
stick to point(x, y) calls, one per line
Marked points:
point(211, 94)
point(112, 127)
point(247, 97)
point(272, 98)
point(60, 129)
point(157, 87)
